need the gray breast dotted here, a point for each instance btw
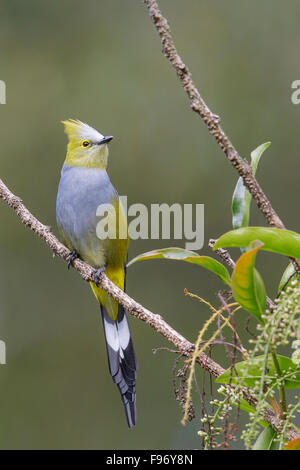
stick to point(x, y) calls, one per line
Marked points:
point(80, 192)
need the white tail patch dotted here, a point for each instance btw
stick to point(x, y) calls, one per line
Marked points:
point(112, 336)
point(124, 333)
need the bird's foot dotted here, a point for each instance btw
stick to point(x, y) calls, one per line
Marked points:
point(71, 257)
point(97, 274)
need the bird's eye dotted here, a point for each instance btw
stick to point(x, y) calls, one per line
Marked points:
point(85, 143)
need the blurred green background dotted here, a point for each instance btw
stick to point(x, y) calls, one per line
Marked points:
point(100, 61)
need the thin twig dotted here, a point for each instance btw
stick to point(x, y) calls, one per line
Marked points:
point(224, 254)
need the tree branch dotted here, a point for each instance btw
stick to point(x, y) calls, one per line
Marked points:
point(224, 254)
point(88, 273)
point(156, 322)
point(212, 120)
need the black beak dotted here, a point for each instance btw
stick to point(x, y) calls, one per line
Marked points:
point(106, 139)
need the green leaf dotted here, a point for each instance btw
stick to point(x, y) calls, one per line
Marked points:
point(256, 154)
point(283, 242)
point(241, 199)
point(265, 440)
point(240, 215)
point(244, 405)
point(254, 371)
point(179, 254)
point(247, 285)
point(287, 277)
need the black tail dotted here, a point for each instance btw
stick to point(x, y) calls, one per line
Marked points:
point(121, 359)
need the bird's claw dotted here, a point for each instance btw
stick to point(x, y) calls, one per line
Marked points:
point(97, 274)
point(71, 257)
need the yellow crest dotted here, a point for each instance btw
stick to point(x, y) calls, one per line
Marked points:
point(78, 130)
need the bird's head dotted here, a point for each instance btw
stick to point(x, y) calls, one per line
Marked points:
point(86, 147)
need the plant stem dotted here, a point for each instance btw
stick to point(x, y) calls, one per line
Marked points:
point(282, 398)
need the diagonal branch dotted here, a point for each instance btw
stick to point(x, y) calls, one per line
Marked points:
point(211, 120)
point(88, 273)
point(156, 322)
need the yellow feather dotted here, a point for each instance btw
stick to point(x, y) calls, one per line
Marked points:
point(116, 275)
point(116, 250)
point(72, 128)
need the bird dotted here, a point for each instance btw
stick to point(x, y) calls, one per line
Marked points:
point(84, 186)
